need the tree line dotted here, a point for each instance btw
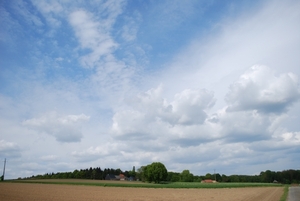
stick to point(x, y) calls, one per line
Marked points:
point(284, 177)
point(157, 172)
point(89, 173)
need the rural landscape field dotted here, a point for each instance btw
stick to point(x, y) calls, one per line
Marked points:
point(99, 190)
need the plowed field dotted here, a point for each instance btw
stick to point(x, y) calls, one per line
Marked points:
point(45, 192)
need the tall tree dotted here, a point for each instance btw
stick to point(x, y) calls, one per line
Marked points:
point(156, 172)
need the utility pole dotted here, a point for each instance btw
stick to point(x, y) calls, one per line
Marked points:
point(3, 170)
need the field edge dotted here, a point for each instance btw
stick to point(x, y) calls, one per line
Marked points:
point(105, 183)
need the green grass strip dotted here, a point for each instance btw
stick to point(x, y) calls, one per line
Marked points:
point(149, 185)
point(285, 193)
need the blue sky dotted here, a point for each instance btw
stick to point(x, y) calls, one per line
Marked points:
point(198, 85)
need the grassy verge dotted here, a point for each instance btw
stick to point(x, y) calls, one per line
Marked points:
point(285, 193)
point(145, 185)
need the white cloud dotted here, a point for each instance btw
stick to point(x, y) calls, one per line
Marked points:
point(49, 7)
point(234, 150)
point(259, 89)
point(100, 152)
point(50, 10)
point(185, 122)
point(32, 166)
point(22, 8)
point(150, 114)
point(150, 123)
point(129, 32)
point(194, 154)
point(190, 105)
point(9, 150)
point(130, 28)
point(267, 35)
point(292, 137)
point(49, 158)
point(63, 128)
point(93, 35)
point(245, 126)
point(113, 76)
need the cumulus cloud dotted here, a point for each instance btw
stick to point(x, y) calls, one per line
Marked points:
point(260, 89)
point(291, 137)
point(244, 126)
point(190, 105)
point(63, 128)
point(150, 117)
point(256, 105)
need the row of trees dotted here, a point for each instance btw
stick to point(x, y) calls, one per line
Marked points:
point(91, 173)
point(285, 177)
point(157, 172)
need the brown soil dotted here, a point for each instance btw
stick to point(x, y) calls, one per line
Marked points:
point(46, 192)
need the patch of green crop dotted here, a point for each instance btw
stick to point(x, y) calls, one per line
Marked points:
point(146, 185)
point(217, 185)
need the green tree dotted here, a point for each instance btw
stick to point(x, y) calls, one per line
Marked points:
point(94, 172)
point(141, 173)
point(197, 178)
point(234, 178)
point(218, 177)
point(224, 178)
point(156, 172)
point(186, 176)
point(208, 176)
point(173, 176)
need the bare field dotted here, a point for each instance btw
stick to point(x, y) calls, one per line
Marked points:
point(46, 192)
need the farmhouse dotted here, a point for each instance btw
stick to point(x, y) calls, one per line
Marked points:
point(121, 177)
point(208, 181)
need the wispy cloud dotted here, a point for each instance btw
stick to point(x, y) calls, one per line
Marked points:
point(93, 35)
point(50, 10)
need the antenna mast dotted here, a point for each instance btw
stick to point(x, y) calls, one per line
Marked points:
point(215, 174)
point(3, 170)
